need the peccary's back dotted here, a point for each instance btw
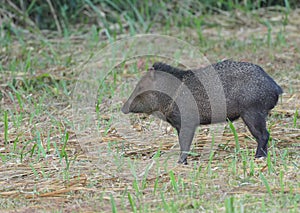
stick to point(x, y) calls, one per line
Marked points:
point(248, 84)
point(245, 86)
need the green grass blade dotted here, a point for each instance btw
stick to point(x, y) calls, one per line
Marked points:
point(5, 127)
point(236, 138)
point(131, 202)
point(113, 204)
point(265, 182)
point(229, 208)
point(173, 181)
point(295, 118)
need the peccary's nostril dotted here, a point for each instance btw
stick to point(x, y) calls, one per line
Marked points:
point(125, 109)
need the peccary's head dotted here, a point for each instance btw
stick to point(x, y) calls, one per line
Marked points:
point(144, 97)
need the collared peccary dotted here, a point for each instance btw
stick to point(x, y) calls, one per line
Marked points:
point(221, 91)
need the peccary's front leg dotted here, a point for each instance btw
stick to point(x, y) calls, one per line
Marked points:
point(185, 136)
point(256, 122)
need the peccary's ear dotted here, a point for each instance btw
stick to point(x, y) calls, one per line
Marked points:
point(160, 66)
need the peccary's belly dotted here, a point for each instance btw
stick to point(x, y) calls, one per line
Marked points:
point(218, 113)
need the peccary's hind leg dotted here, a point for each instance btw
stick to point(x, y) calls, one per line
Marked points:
point(256, 122)
point(185, 136)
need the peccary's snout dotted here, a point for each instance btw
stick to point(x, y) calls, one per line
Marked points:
point(125, 108)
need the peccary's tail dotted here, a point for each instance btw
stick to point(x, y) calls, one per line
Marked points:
point(279, 90)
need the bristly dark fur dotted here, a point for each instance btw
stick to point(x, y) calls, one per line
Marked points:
point(179, 73)
point(249, 91)
point(162, 66)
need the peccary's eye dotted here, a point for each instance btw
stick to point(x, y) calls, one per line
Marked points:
point(140, 88)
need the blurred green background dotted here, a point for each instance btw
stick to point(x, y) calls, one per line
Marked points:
point(118, 16)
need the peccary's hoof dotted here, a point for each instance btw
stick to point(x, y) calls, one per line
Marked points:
point(261, 154)
point(184, 162)
point(260, 159)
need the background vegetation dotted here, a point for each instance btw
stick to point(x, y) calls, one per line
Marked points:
point(114, 16)
point(44, 168)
